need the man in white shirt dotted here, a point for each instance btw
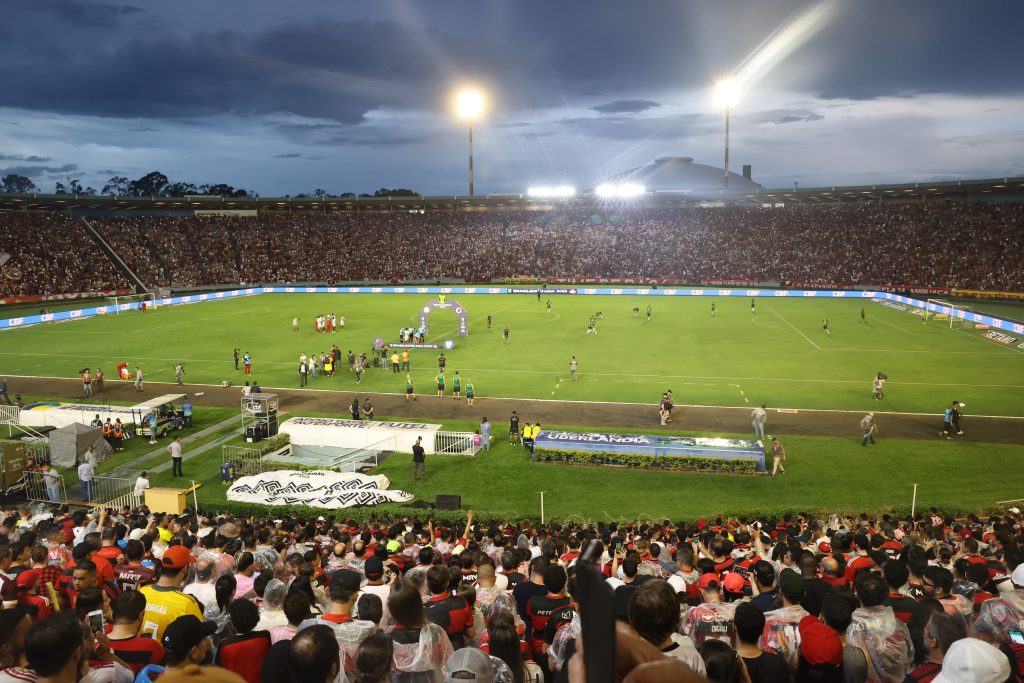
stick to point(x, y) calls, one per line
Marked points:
point(175, 450)
point(141, 484)
point(86, 471)
point(51, 478)
point(759, 416)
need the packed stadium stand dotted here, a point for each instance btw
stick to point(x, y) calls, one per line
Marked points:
point(972, 246)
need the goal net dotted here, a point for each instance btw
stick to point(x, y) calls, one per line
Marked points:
point(130, 302)
point(944, 313)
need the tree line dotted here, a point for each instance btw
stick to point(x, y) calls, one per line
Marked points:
point(156, 184)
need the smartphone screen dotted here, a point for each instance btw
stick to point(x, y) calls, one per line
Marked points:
point(96, 620)
point(1017, 637)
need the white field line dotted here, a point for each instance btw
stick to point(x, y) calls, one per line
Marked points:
point(548, 400)
point(794, 328)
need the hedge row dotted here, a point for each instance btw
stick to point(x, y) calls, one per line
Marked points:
point(645, 461)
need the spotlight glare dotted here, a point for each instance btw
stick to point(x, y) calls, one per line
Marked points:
point(544, 191)
point(469, 104)
point(727, 92)
point(619, 190)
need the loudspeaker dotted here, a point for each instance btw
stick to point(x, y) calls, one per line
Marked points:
point(448, 502)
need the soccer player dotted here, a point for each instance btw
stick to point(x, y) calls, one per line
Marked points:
point(636, 311)
point(410, 391)
point(572, 369)
point(295, 324)
point(753, 306)
point(947, 421)
point(488, 321)
point(440, 385)
point(549, 305)
point(513, 428)
point(863, 316)
point(505, 334)
point(441, 362)
point(179, 370)
point(590, 326)
point(712, 309)
point(957, 408)
point(649, 311)
point(457, 386)
point(470, 394)
point(824, 326)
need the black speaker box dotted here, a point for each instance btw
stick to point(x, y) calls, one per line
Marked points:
point(448, 502)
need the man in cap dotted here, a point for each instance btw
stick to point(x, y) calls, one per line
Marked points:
point(781, 628)
point(186, 642)
point(975, 661)
point(821, 650)
point(468, 664)
point(164, 600)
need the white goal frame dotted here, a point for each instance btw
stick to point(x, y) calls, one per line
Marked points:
point(118, 301)
point(953, 318)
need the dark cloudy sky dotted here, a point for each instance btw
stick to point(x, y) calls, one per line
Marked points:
point(284, 97)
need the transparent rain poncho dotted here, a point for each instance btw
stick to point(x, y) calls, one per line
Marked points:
point(999, 616)
point(423, 660)
point(886, 640)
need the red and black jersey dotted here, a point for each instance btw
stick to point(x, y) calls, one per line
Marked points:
point(138, 652)
point(513, 579)
point(128, 577)
point(856, 564)
point(244, 654)
point(558, 618)
point(924, 673)
point(451, 613)
point(722, 567)
point(540, 608)
point(892, 549)
point(902, 606)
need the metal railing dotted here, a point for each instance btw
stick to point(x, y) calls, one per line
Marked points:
point(112, 492)
point(246, 460)
point(456, 443)
point(36, 491)
point(10, 415)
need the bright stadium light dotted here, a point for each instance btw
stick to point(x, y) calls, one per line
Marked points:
point(469, 105)
point(545, 191)
point(619, 190)
point(727, 94)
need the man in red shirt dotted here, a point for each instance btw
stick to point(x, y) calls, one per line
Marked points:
point(452, 613)
point(134, 650)
point(109, 549)
point(862, 559)
point(243, 653)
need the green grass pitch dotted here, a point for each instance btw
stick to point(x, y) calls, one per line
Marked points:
point(780, 356)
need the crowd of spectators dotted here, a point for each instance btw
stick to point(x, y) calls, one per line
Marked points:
point(122, 595)
point(970, 246)
point(52, 254)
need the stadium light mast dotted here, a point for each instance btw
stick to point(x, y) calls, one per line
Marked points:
point(470, 105)
point(727, 94)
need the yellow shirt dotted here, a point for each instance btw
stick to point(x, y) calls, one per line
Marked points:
point(405, 356)
point(164, 605)
point(394, 359)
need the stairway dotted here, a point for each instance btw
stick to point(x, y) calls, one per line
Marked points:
point(105, 247)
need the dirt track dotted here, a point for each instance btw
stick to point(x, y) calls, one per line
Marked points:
point(594, 415)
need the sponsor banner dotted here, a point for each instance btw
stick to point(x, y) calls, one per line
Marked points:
point(1021, 346)
point(898, 307)
point(226, 212)
point(546, 290)
point(317, 488)
point(914, 289)
point(521, 280)
point(70, 296)
point(1000, 337)
point(980, 294)
point(371, 435)
point(600, 442)
point(409, 345)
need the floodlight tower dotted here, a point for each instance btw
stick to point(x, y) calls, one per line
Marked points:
point(470, 105)
point(727, 94)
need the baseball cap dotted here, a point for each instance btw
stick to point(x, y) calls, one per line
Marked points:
point(347, 579)
point(708, 581)
point(970, 660)
point(136, 534)
point(1015, 511)
point(27, 579)
point(373, 568)
point(185, 632)
point(824, 546)
point(176, 557)
point(228, 530)
point(733, 582)
point(469, 664)
point(1017, 577)
point(819, 644)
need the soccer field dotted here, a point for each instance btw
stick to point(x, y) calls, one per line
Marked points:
point(780, 355)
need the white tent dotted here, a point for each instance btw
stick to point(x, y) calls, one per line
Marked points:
point(67, 444)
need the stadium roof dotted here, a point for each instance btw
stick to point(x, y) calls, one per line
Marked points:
point(680, 174)
point(993, 189)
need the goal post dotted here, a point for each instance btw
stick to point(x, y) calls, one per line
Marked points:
point(130, 302)
point(945, 312)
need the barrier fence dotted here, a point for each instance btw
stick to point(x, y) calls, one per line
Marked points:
point(36, 489)
point(246, 461)
point(112, 492)
point(456, 443)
